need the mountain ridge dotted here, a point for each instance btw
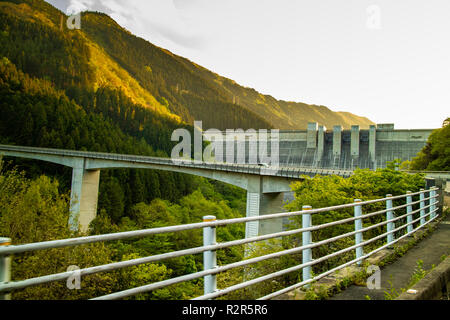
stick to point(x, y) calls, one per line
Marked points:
point(109, 55)
point(277, 110)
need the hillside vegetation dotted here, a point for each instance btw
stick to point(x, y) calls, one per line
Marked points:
point(192, 90)
point(33, 210)
point(104, 54)
point(435, 156)
point(102, 89)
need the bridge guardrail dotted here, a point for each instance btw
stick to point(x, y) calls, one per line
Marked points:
point(289, 172)
point(210, 246)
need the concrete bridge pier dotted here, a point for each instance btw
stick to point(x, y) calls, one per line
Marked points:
point(83, 197)
point(260, 202)
point(271, 203)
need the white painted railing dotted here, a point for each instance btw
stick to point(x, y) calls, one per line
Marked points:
point(421, 217)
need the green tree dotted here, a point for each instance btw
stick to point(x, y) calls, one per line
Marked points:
point(325, 191)
point(435, 156)
point(34, 211)
point(112, 198)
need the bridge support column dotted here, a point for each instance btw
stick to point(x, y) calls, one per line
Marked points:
point(253, 202)
point(271, 203)
point(259, 203)
point(83, 197)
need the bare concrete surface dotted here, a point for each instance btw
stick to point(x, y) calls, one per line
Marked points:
point(429, 250)
point(435, 285)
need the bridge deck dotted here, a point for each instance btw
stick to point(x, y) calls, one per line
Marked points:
point(133, 160)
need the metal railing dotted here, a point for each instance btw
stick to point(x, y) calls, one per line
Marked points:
point(421, 217)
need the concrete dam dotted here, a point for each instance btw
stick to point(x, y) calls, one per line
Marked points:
point(319, 147)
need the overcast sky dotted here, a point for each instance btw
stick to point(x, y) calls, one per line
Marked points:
point(388, 60)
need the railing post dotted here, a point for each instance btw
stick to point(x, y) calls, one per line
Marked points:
point(306, 240)
point(389, 216)
point(209, 257)
point(359, 235)
point(436, 205)
point(422, 206)
point(5, 268)
point(432, 202)
point(409, 217)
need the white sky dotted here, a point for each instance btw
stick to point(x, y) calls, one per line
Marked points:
point(388, 60)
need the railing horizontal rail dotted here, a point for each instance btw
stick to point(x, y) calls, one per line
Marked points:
point(291, 269)
point(7, 250)
point(154, 286)
point(300, 284)
point(146, 232)
point(197, 250)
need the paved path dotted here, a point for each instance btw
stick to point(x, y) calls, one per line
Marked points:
point(429, 250)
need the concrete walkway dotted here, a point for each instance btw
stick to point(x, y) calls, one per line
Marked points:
point(429, 250)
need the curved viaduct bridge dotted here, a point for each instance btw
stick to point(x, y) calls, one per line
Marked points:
point(266, 187)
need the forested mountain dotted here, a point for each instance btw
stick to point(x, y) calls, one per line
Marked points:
point(101, 88)
point(59, 89)
point(34, 113)
point(104, 54)
point(51, 96)
point(194, 92)
point(280, 114)
point(35, 38)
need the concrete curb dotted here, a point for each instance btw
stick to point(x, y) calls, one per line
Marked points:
point(432, 286)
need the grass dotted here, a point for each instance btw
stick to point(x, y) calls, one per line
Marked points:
point(419, 274)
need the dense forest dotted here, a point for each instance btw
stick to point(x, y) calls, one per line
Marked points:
point(36, 114)
point(33, 210)
point(58, 90)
